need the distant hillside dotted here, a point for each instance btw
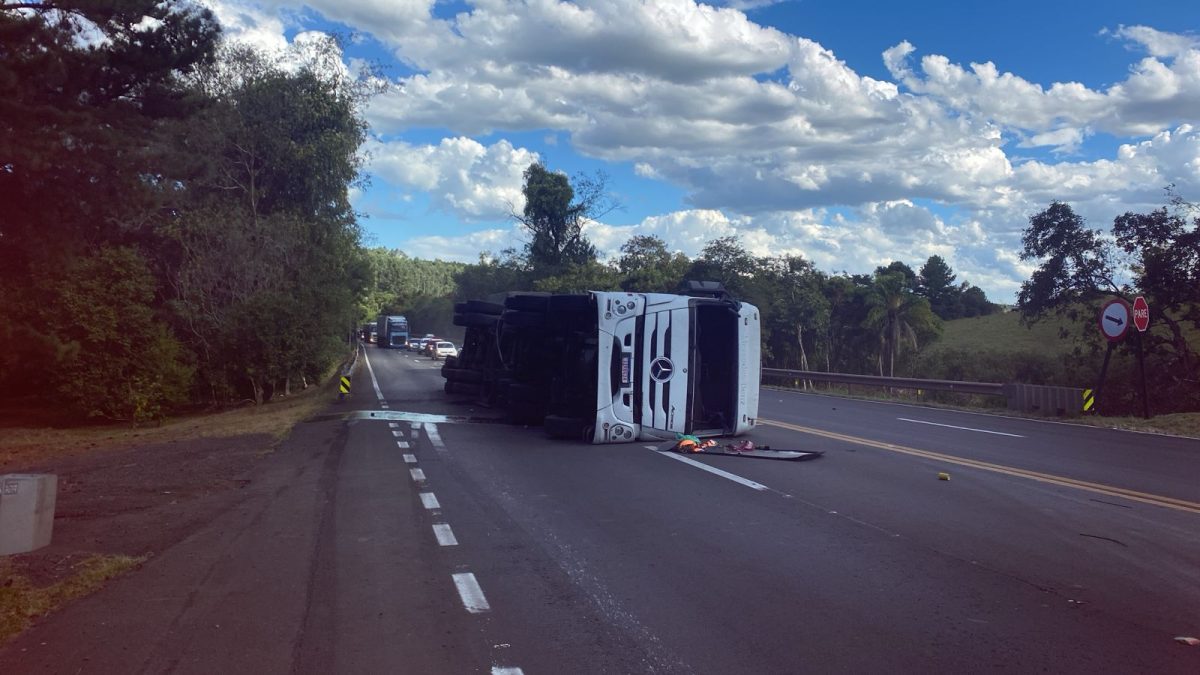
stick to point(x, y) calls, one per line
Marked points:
point(1002, 332)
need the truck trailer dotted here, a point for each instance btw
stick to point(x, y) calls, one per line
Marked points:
point(613, 367)
point(392, 331)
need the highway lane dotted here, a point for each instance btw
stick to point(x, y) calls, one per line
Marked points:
point(1151, 463)
point(860, 560)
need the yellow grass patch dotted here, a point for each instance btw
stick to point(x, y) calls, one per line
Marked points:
point(21, 602)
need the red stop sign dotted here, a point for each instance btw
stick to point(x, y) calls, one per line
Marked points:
point(1141, 314)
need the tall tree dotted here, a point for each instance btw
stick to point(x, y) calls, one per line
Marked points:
point(648, 267)
point(555, 213)
point(899, 316)
point(1076, 264)
point(936, 284)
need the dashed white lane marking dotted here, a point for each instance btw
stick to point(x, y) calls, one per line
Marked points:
point(444, 534)
point(415, 433)
point(429, 501)
point(392, 425)
point(713, 470)
point(402, 444)
point(383, 405)
point(374, 382)
point(951, 426)
point(435, 438)
point(398, 433)
point(471, 593)
point(410, 459)
point(414, 425)
point(417, 474)
point(506, 670)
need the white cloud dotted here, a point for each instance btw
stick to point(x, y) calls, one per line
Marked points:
point(464, 248)
point(461, 175)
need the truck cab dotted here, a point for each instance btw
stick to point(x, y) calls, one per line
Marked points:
point(613, 367)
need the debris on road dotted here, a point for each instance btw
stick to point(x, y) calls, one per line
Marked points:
point(1189, 641)
point(688, 444)
point(942, 475)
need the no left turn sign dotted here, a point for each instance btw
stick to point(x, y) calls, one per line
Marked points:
point(1114, 319)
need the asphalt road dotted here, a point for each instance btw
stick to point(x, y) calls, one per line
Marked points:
point(418, 545)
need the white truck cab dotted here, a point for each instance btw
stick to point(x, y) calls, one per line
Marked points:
point(674, 364)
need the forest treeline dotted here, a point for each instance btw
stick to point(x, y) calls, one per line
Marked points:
point(176, 230)
point(176, 225)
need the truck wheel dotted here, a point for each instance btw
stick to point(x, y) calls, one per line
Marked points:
point(462, 375)
point(527, 302)
point(523, 319)
point(526, 393)
point(462, 388)
point(569, 303)
point(481, 307)
point(475, 320)
point(565, 427)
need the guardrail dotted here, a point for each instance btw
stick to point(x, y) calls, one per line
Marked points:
point(1024, 397)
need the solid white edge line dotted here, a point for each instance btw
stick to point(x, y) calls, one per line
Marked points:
point(374, 382)
point(410, 459)
point(430, 501)
point(470, 593)
point(952, 426)
point(713, 470)
point(506, 670)
point(417, 474)
point(445, 536)
point(431, 430)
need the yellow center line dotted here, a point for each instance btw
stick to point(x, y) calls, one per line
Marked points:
point(1109, 490)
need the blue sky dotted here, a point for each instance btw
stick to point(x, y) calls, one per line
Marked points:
point(850, 132)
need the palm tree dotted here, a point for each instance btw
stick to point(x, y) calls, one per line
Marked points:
point(898, 314)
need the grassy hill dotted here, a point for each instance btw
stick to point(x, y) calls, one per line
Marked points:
point(1003, 332)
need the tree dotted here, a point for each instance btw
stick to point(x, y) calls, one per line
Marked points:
point(936, 284)
point(648, 267)
point(555, 213)
point(727, 261)
point(911, 282)
point(899, 316)
point(1076, 264)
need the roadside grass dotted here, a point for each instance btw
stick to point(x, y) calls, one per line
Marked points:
point(22, 446)
point(21, 602)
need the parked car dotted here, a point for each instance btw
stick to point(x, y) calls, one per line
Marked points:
point(442, 349)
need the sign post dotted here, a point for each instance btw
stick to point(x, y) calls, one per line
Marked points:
point(1114, 324)
point(1141, 320)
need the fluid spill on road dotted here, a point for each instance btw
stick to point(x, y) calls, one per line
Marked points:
point(402, 416)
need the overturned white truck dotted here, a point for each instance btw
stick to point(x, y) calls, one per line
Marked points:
point(612, 367)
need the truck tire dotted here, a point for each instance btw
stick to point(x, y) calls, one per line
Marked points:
point(462, 388)
point(451, 362)
point(527, 302)
point(565, 427)
point(523, 319)
point(482, 307)
point(526, 393)
point(569, 303)
point(475, 320)
point(462, 375)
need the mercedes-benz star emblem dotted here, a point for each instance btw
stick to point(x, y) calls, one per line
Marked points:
point(661, 369)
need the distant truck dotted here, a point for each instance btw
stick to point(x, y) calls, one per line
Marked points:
point(392, 331)
point(612, 367)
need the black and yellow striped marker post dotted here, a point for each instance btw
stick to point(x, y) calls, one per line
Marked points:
point(344, 387)
point(1089, 400)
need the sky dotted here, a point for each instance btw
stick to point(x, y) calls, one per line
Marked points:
point(852, 133)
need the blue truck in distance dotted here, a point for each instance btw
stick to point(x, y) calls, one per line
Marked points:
point(392, 331)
